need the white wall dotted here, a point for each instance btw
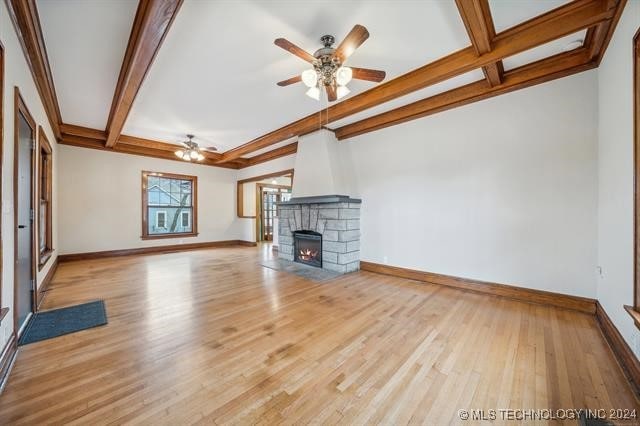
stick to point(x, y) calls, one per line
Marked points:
point(503, 190)
point(319, 170)
point(17, 73)
point(102, 200)
point(615, 175)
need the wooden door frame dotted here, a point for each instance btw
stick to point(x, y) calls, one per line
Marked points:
point(241, 182)
point(20, 107)
point(636, 172)
point(259, 188)
point(3, 310)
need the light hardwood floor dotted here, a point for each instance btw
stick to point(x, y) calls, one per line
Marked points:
point(211, 336)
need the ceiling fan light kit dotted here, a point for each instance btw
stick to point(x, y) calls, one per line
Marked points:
point(191, 151)
point(328, 69)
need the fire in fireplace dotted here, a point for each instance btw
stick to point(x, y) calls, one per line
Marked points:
point(307, 248)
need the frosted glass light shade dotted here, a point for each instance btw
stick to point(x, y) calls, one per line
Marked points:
point(343, 76)
point(309, 78)
point(314, 93)
point(342, 91)
point(179, 154)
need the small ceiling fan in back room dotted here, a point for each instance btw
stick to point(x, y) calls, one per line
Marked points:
point(328, 69)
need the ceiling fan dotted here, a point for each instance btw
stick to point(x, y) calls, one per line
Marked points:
point(192, 151)
point(328, 65)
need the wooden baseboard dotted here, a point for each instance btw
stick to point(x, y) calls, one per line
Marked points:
point(7, 357)
point(42, 289)
point(623, 353)
point(582, 304)
point(154, 250)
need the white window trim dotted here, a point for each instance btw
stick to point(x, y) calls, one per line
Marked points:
point(164, 212)
point(188, 213)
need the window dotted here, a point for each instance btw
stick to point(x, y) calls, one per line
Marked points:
point(45, 173)
point(169, 202)
point(161, 220)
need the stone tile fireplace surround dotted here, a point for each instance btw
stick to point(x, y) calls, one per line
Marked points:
point(335, 217)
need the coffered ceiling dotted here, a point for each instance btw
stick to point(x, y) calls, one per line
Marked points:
point(215, 71)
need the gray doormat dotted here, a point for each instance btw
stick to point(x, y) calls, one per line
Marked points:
point(305, 271)
point(57, 322)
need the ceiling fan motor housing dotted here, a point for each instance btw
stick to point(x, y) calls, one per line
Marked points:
point(326, 64)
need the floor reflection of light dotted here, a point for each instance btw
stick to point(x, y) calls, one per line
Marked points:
point(170, 299)
point(271, 287)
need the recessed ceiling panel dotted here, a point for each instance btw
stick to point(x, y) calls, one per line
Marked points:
point(216, 72)
point(86, 41)
point(509, 13)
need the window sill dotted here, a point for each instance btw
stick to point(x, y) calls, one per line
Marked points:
point(634, 314)
point(164, 236)
point(44, 258)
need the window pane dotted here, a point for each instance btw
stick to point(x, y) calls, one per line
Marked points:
point(168, 221)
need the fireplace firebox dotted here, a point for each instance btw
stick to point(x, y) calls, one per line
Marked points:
point(307, 247)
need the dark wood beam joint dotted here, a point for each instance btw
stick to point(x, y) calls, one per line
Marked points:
point(478, 21)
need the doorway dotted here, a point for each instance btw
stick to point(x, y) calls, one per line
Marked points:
point(270, 195)
point(23, 192)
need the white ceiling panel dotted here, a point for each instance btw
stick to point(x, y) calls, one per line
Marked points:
point(509, 13)
point(216, 72)
point(86, 41)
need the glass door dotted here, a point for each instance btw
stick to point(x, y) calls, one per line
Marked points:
point(269, 199)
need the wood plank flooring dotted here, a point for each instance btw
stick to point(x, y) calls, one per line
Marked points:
point(212, 337)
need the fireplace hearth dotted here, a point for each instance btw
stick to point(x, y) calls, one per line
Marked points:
point(307, 248)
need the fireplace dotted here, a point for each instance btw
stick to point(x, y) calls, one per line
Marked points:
point(307, 248)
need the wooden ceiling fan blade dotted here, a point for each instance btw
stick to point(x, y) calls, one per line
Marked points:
point(292, 48)
point(332, 93)
point(368, 74)
point(351, 42)
point(292, 80)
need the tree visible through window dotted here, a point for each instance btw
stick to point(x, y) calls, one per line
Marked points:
point(169, 203)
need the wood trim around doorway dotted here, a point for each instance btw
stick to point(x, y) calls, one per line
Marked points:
point(3, 310)
point(240, 190)
point(20, 107)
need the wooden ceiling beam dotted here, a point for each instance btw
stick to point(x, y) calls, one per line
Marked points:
point(159, 151)
point(562, 21)
point(598, 37)
point(85, 132)
point(85, 137)
point(150, 26)
point(24, 15)
point(548, 69)
point(283, 151)
point(477, 19)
